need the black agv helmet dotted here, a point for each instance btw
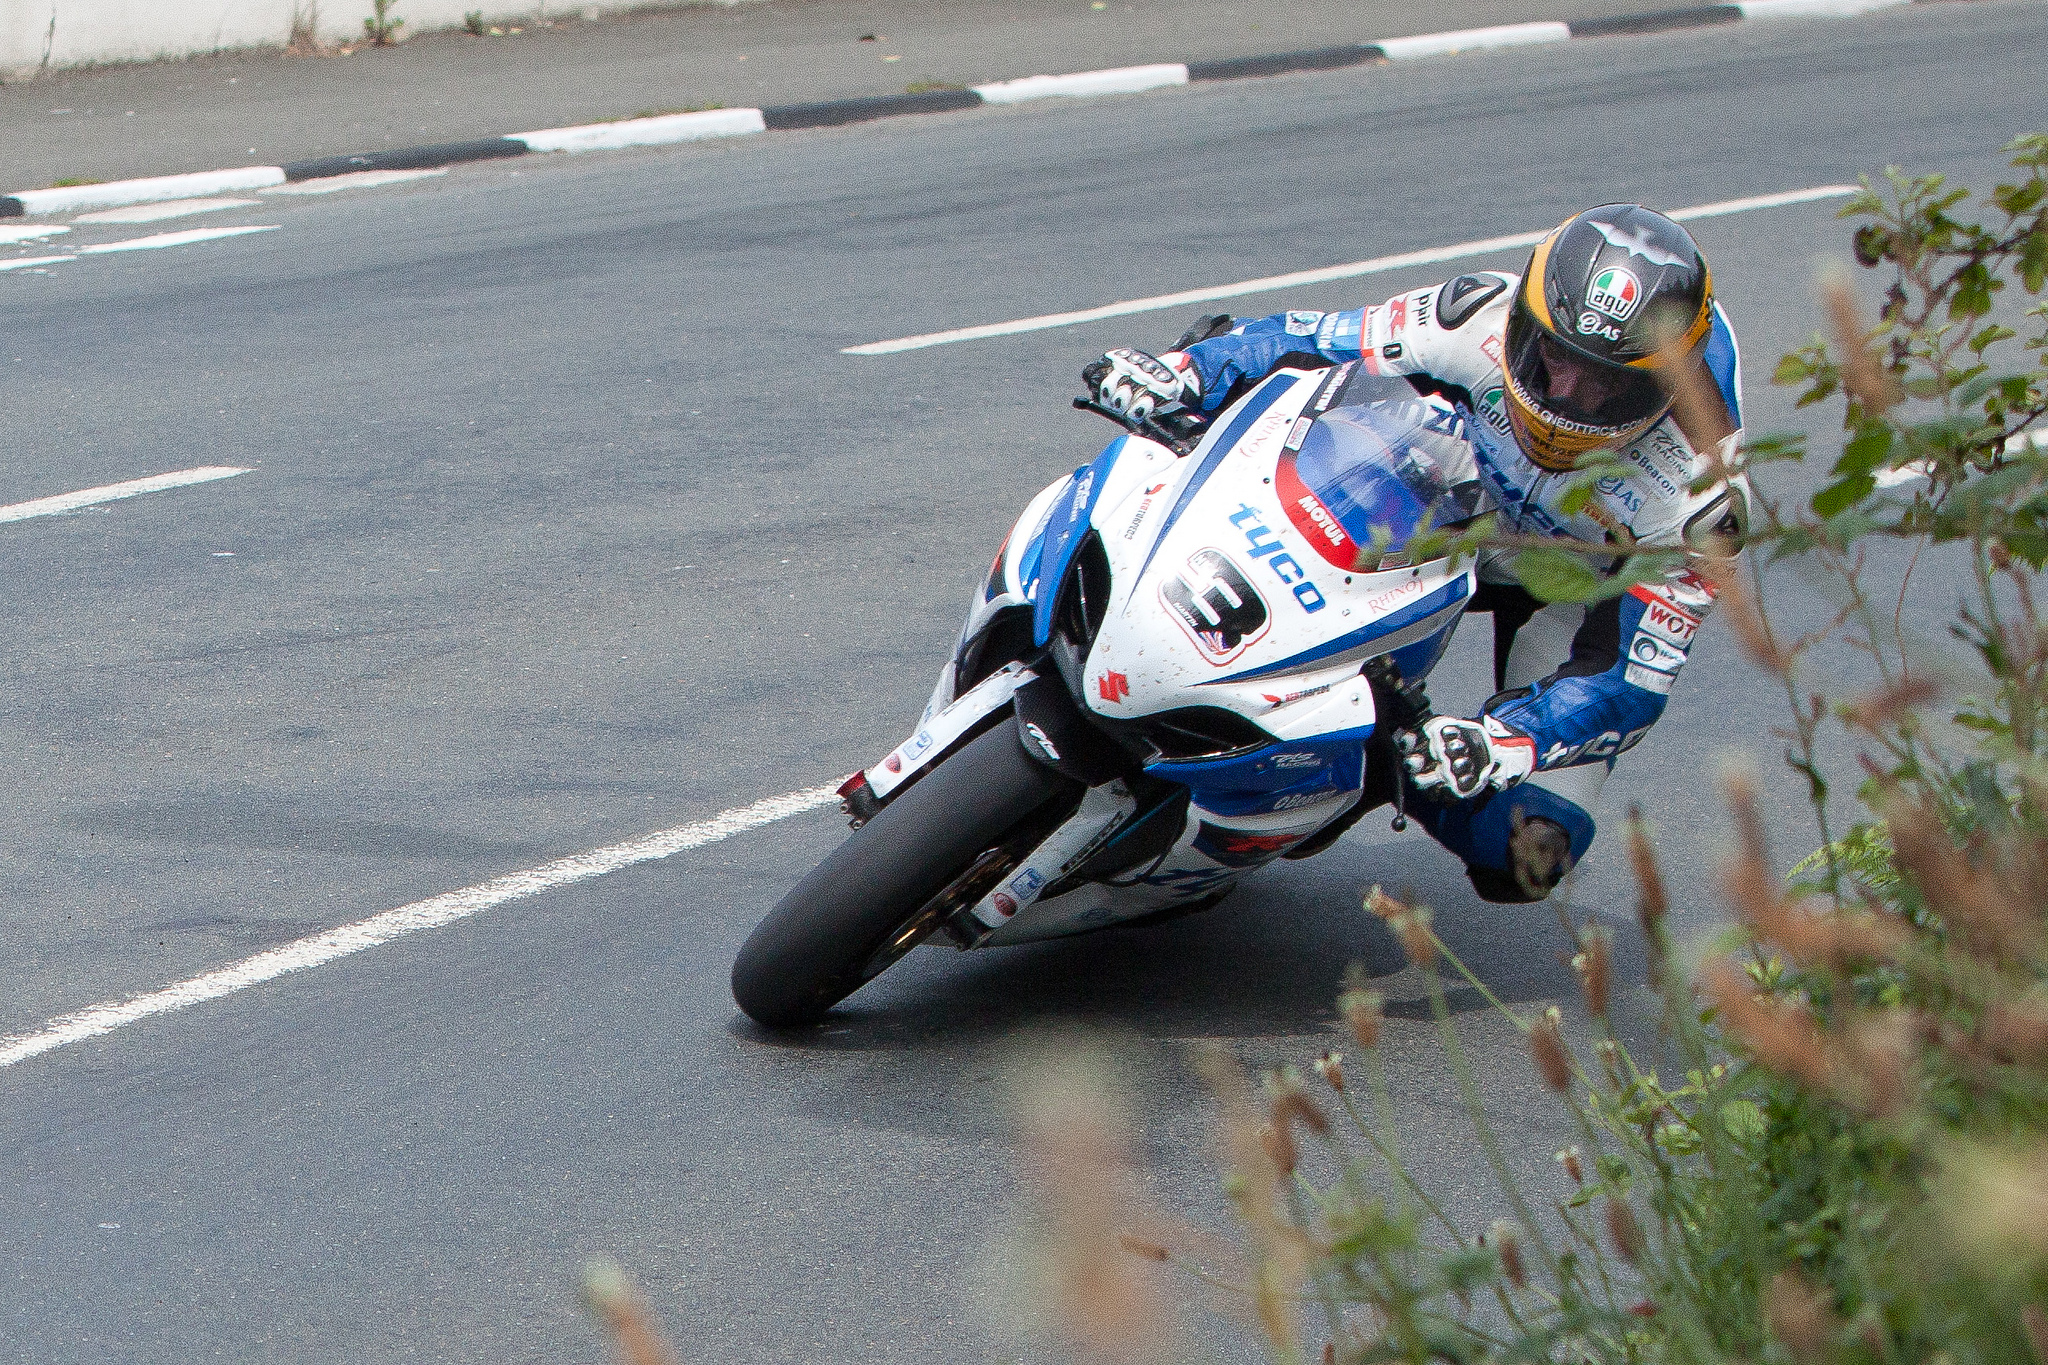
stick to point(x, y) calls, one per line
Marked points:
point(1607, 298)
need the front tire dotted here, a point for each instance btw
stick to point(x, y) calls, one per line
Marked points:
point(854, 910)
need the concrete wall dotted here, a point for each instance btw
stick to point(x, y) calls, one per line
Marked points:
point(71, 32)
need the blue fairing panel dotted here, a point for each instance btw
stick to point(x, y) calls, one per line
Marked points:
point(1254, 408)
point(1452, 592)
point(1416, 660)
point(1724, 362)
point(1064, 529)
point(1278, 777)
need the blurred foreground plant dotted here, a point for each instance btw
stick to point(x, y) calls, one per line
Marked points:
point(1846, 1156)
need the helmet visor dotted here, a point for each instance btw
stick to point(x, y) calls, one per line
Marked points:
point(1581, 390)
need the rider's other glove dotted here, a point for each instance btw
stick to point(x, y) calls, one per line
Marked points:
point(1459, 759)
point(1133, 382)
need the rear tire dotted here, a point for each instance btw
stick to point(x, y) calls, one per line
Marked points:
point(816, 947)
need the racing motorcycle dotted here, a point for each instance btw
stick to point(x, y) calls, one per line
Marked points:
point(1189, 658)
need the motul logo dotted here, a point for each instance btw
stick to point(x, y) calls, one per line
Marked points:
point(1320, 515)
point(1113, 686)
point(1316, 522)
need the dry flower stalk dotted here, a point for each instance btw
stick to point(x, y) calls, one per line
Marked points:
point(1808, 932)
point(1798, 1316)
point(1972, 893)
point(1255, 1176)
point(1418, 940)
point(1864, 377)
point(1279, 1144)
point(1076, 1144)
point(1364, 1012)
point(1609, 1053)
point(1409, 923)
point(1569, 1159)
point(624, 1313)
point(1138, 1246)
point(1507, 1244)
point(1652, 904)
point(1697, 404)
point(1780, 1036)
point(2034, 1323)
point(1879, 1048)
point(2017, 1031)
point(1995, 1201)
point(1739, 606)
point(1271, 1295)
point(1330, 1066)
point(1624, 1233)
point(1546, 1046)
point(1594, 965)
point(1878, 711)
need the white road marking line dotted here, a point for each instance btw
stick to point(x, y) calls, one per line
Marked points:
point(27, 261)
point(431, 913)
point(35, 233)
point(1377, 265)
point(151, 213)
point(114, 492)
point(1122, 80)
point(164, 239)
point(354, 180)
point(646, 132)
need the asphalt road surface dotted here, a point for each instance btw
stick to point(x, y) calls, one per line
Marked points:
point(568, 521)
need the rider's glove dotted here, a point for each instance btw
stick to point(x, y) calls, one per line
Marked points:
point(1459, 759)
point(1139, 384)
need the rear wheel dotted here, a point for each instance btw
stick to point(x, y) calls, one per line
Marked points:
point(944, 842)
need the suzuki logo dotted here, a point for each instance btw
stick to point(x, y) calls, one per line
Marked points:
point(1113, 686)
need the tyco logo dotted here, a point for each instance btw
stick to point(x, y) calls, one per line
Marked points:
point(1216, 605)
point(1263, 544)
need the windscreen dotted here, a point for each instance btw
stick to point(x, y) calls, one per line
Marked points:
point(1369, 476)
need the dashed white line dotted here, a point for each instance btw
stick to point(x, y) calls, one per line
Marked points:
point(34, 232)
point(354, 180)
point(152, 213)
point(431, 913)
point(113, 492)
point(1375, 266)
point(27, 261)
point(164, 239)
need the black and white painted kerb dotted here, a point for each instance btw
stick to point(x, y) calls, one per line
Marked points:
point(669, 128)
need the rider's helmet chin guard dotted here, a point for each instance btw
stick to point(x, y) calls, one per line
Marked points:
point(1608, 300)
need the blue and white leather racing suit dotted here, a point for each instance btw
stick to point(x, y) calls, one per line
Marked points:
point(1584, 683)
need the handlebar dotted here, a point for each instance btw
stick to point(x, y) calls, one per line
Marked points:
point(1142, 426)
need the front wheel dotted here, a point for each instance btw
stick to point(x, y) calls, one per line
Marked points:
point(881, 892)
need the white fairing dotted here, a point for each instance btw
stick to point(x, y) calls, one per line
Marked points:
point(1233, 587)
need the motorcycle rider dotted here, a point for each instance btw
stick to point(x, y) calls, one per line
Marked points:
point(1567, 358)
